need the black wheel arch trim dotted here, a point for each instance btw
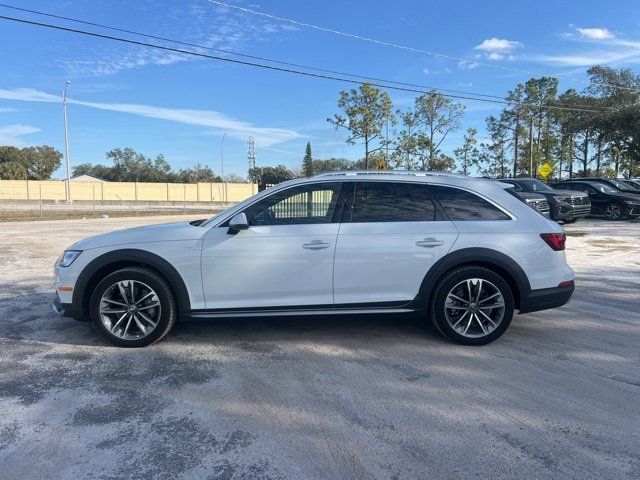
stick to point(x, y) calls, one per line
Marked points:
point(473, 256)
point(134, 257)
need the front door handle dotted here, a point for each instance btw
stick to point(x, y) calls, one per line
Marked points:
point(316, 245)
point(429, 243)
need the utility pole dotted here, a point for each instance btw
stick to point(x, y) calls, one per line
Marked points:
point(251, 157)
point(66, 140)
point(224, 184)
point(531, 147)
point(386, 141)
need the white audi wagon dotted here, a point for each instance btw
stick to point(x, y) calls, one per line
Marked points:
point(461, 251)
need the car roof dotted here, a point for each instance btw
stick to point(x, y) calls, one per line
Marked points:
point(443, 178)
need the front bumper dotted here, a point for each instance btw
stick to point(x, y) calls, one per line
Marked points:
point(62, 309)
point(545, 298)
point(567, 211)
point(634, 211)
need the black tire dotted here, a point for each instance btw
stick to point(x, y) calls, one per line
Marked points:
point(449, 282)
point(614, 211)
point(167, 314)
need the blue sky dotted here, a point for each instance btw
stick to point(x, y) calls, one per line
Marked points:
point(161, 102)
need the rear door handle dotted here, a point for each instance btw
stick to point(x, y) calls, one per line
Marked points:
point(316, 245)
point(429, 243)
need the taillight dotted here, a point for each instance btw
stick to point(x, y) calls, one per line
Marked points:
point(555, 240)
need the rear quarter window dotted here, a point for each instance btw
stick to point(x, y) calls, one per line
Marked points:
point(462, 205)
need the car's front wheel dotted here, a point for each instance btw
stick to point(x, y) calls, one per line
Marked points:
point(472, 306)
point(133, 307)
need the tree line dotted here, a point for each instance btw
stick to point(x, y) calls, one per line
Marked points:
point(30, 163)
point(39, 163)
point(592, 132)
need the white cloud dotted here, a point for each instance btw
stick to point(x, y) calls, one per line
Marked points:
point(468, 64)
point(216, 28)
point(498, 45)
point(595, 33)
point(28, 95)
point(497, 48)
point(7, 110)
point(445, 70)
point(264, 136)
point(614, 52)
point(10, 134)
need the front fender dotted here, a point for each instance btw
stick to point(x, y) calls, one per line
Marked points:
point(116, 259)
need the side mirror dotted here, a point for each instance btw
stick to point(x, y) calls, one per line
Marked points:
point(238, 222)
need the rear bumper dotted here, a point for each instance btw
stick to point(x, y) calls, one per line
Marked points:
point(545, 298)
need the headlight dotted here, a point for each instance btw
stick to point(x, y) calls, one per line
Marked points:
point(562, 199)
point(632, 202)
point(68, 257)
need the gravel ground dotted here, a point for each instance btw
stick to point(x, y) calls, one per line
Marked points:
point(558, 396)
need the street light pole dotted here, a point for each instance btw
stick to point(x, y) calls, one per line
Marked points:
point(66, 140)
point(224, 184)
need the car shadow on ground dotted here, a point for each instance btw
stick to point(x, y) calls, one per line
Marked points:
point(27, 316)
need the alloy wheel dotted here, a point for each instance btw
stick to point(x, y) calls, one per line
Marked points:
point(613, 212)
point(474, 307)
point(130, 309)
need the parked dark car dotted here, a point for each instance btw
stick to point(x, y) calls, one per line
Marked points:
point(612, 182)
point(632, 182)
point(534, 200)
point(564, 205)
point(605, 200)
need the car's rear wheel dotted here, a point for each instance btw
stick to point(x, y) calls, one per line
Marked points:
point(133, 307)
point(472, 306)
point(614, 211)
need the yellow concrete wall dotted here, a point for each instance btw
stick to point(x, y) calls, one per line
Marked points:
point(127, 191)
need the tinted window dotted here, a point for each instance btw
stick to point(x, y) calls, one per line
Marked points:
point(463, 205)
point(516, 187)
point(304, 204)
point(617, 184)
point(536, 185)
point(391, 202)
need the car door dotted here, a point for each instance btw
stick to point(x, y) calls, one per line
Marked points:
point(389, 238)
point(285, 257)
point(598, 200)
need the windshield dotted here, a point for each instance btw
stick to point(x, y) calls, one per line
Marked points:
point(604, 188)
point(617, 184)
point(212, 219)
point(538, 186)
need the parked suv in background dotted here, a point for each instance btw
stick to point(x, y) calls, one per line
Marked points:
point(631, 182)
point(605, 200)
point(532, 199)
point(564, 205)
point(461, 250)
point(611, 182)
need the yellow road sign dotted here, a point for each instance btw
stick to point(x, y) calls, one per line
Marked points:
point(544, 170)
point(381, 165)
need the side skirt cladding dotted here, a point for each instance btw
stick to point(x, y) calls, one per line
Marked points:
point(117, 259)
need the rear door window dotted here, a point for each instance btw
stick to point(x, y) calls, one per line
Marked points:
point(390, 202)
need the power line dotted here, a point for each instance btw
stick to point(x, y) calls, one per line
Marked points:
point(239, 54)
point(280, 69)
point(390, 44)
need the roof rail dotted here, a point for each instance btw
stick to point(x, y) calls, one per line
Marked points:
point(416, 173)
